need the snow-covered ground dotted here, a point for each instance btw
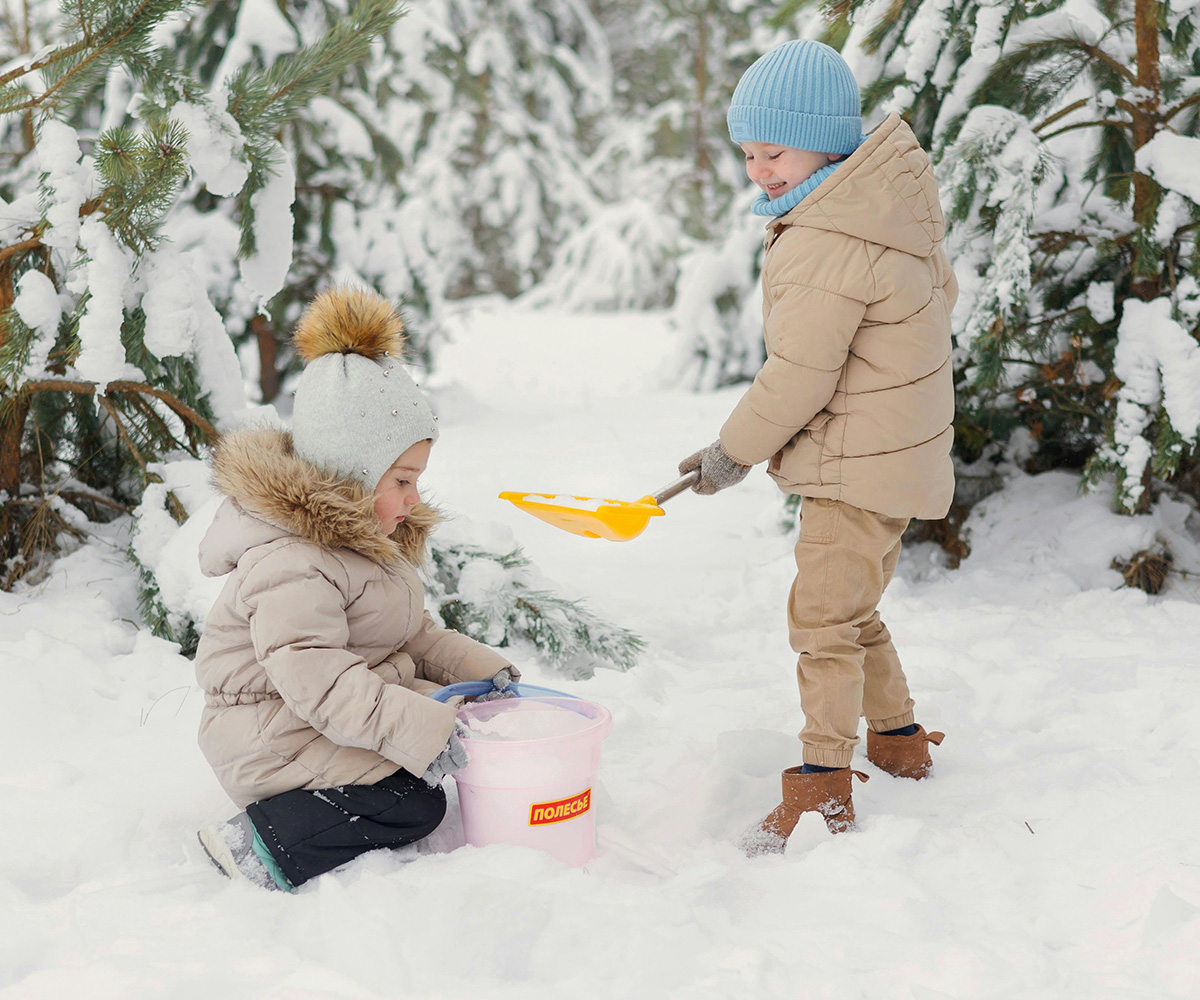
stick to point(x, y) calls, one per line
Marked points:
point(1055, 853)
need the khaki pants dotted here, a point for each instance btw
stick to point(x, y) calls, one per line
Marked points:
point(848, 666)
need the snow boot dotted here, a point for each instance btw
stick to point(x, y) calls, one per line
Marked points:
point(230, 846)
point(827, 792)
point(903, 756)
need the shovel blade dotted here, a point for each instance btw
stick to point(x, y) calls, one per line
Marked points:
point(615, 520)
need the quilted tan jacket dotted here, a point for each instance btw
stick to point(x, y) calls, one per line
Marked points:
point(856, 398)
point(317, 659)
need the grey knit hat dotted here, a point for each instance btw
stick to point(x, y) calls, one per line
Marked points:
point(356, 409)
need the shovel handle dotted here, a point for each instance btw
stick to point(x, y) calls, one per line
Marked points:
point(677, 487)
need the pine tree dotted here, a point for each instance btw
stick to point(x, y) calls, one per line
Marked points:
point(495, 597)
point(678, 183)
point(351, 219)
point(492, 118)
point(111, 354)
point(1064, 138)
point(448, 165)
point(476, 580)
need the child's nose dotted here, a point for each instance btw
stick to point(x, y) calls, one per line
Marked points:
point(756, 171)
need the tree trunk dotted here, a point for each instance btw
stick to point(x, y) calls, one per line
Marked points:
point(1146, 282)
point(268, 375)
point(700, 71)
point(12, 429)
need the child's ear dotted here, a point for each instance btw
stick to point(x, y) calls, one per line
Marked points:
point(834, 157)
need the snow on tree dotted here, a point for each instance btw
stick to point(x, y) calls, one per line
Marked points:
point(494, 103)
point(1065, 137)
point(492, 593)
point(718, 301)
point(477, 581)
point(673, 229)
point(148, 212)
point(111, 354)
point(449, 164)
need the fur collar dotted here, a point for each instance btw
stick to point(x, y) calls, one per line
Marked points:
point(258, 468)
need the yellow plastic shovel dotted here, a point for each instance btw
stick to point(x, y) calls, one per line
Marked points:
point(616, 520)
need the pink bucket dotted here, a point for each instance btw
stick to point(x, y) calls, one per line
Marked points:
point(532, 769)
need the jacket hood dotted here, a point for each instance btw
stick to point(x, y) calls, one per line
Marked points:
point(260, 471)
point(883, 193)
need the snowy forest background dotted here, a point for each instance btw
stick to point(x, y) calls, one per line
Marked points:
point(178, 179)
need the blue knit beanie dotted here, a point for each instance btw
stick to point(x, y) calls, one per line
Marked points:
point(801, 94)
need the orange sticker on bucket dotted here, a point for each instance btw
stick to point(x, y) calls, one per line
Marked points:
point(541, 813)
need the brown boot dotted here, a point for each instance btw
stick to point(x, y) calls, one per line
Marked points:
point(826, 792)
point(903, 756)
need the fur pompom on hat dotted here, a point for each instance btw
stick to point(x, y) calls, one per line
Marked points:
point(356, 408)
point(349, 321)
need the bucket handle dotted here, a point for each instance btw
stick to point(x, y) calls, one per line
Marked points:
point(472, 689)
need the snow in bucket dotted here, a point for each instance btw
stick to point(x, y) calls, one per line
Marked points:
point(529, 780)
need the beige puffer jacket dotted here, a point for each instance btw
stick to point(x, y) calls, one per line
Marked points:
point(318, 656)
point(856, 398)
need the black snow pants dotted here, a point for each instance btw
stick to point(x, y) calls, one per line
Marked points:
point(312, 832)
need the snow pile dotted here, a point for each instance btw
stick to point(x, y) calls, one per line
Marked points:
point(998, 154)
point(266, 269)
point(546, 724)
point(67, 183)
point(1158, 362)
point(215, 146)
point(1171, 160)
point(168, 550)
point(40, 309)
point(99, 273)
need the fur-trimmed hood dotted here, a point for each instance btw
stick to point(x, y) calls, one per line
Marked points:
point(260, 471)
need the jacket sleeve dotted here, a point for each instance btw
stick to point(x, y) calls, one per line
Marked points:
point(297, 616)
point(447, 657)
point(809, 328)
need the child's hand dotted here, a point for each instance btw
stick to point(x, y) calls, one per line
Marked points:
point(717, 470)
point(500, 685)
point(453, 758)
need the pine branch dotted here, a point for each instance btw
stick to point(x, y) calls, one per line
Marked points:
point(1039, 54)
point(77, 496)
point(124, 31)
point(90, 389)
point(122, 432)
point(66, 53)
point(565, 632)
point(32, 243)
point(1092, 51)
point(1061, 114)
point(261, 102)
point(1110, 122)
point(142, 174)
point(1192, 101)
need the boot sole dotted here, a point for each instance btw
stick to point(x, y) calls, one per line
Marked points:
point(219, 854)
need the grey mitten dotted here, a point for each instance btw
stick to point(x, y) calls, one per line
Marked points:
point(717, 469)
point(500, 685)
point(453, 758)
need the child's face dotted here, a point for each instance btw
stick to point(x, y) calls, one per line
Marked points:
point(778, 169)
point(396, 494)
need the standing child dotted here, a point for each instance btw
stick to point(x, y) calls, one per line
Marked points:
point(853, 406)
point(318, 657)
